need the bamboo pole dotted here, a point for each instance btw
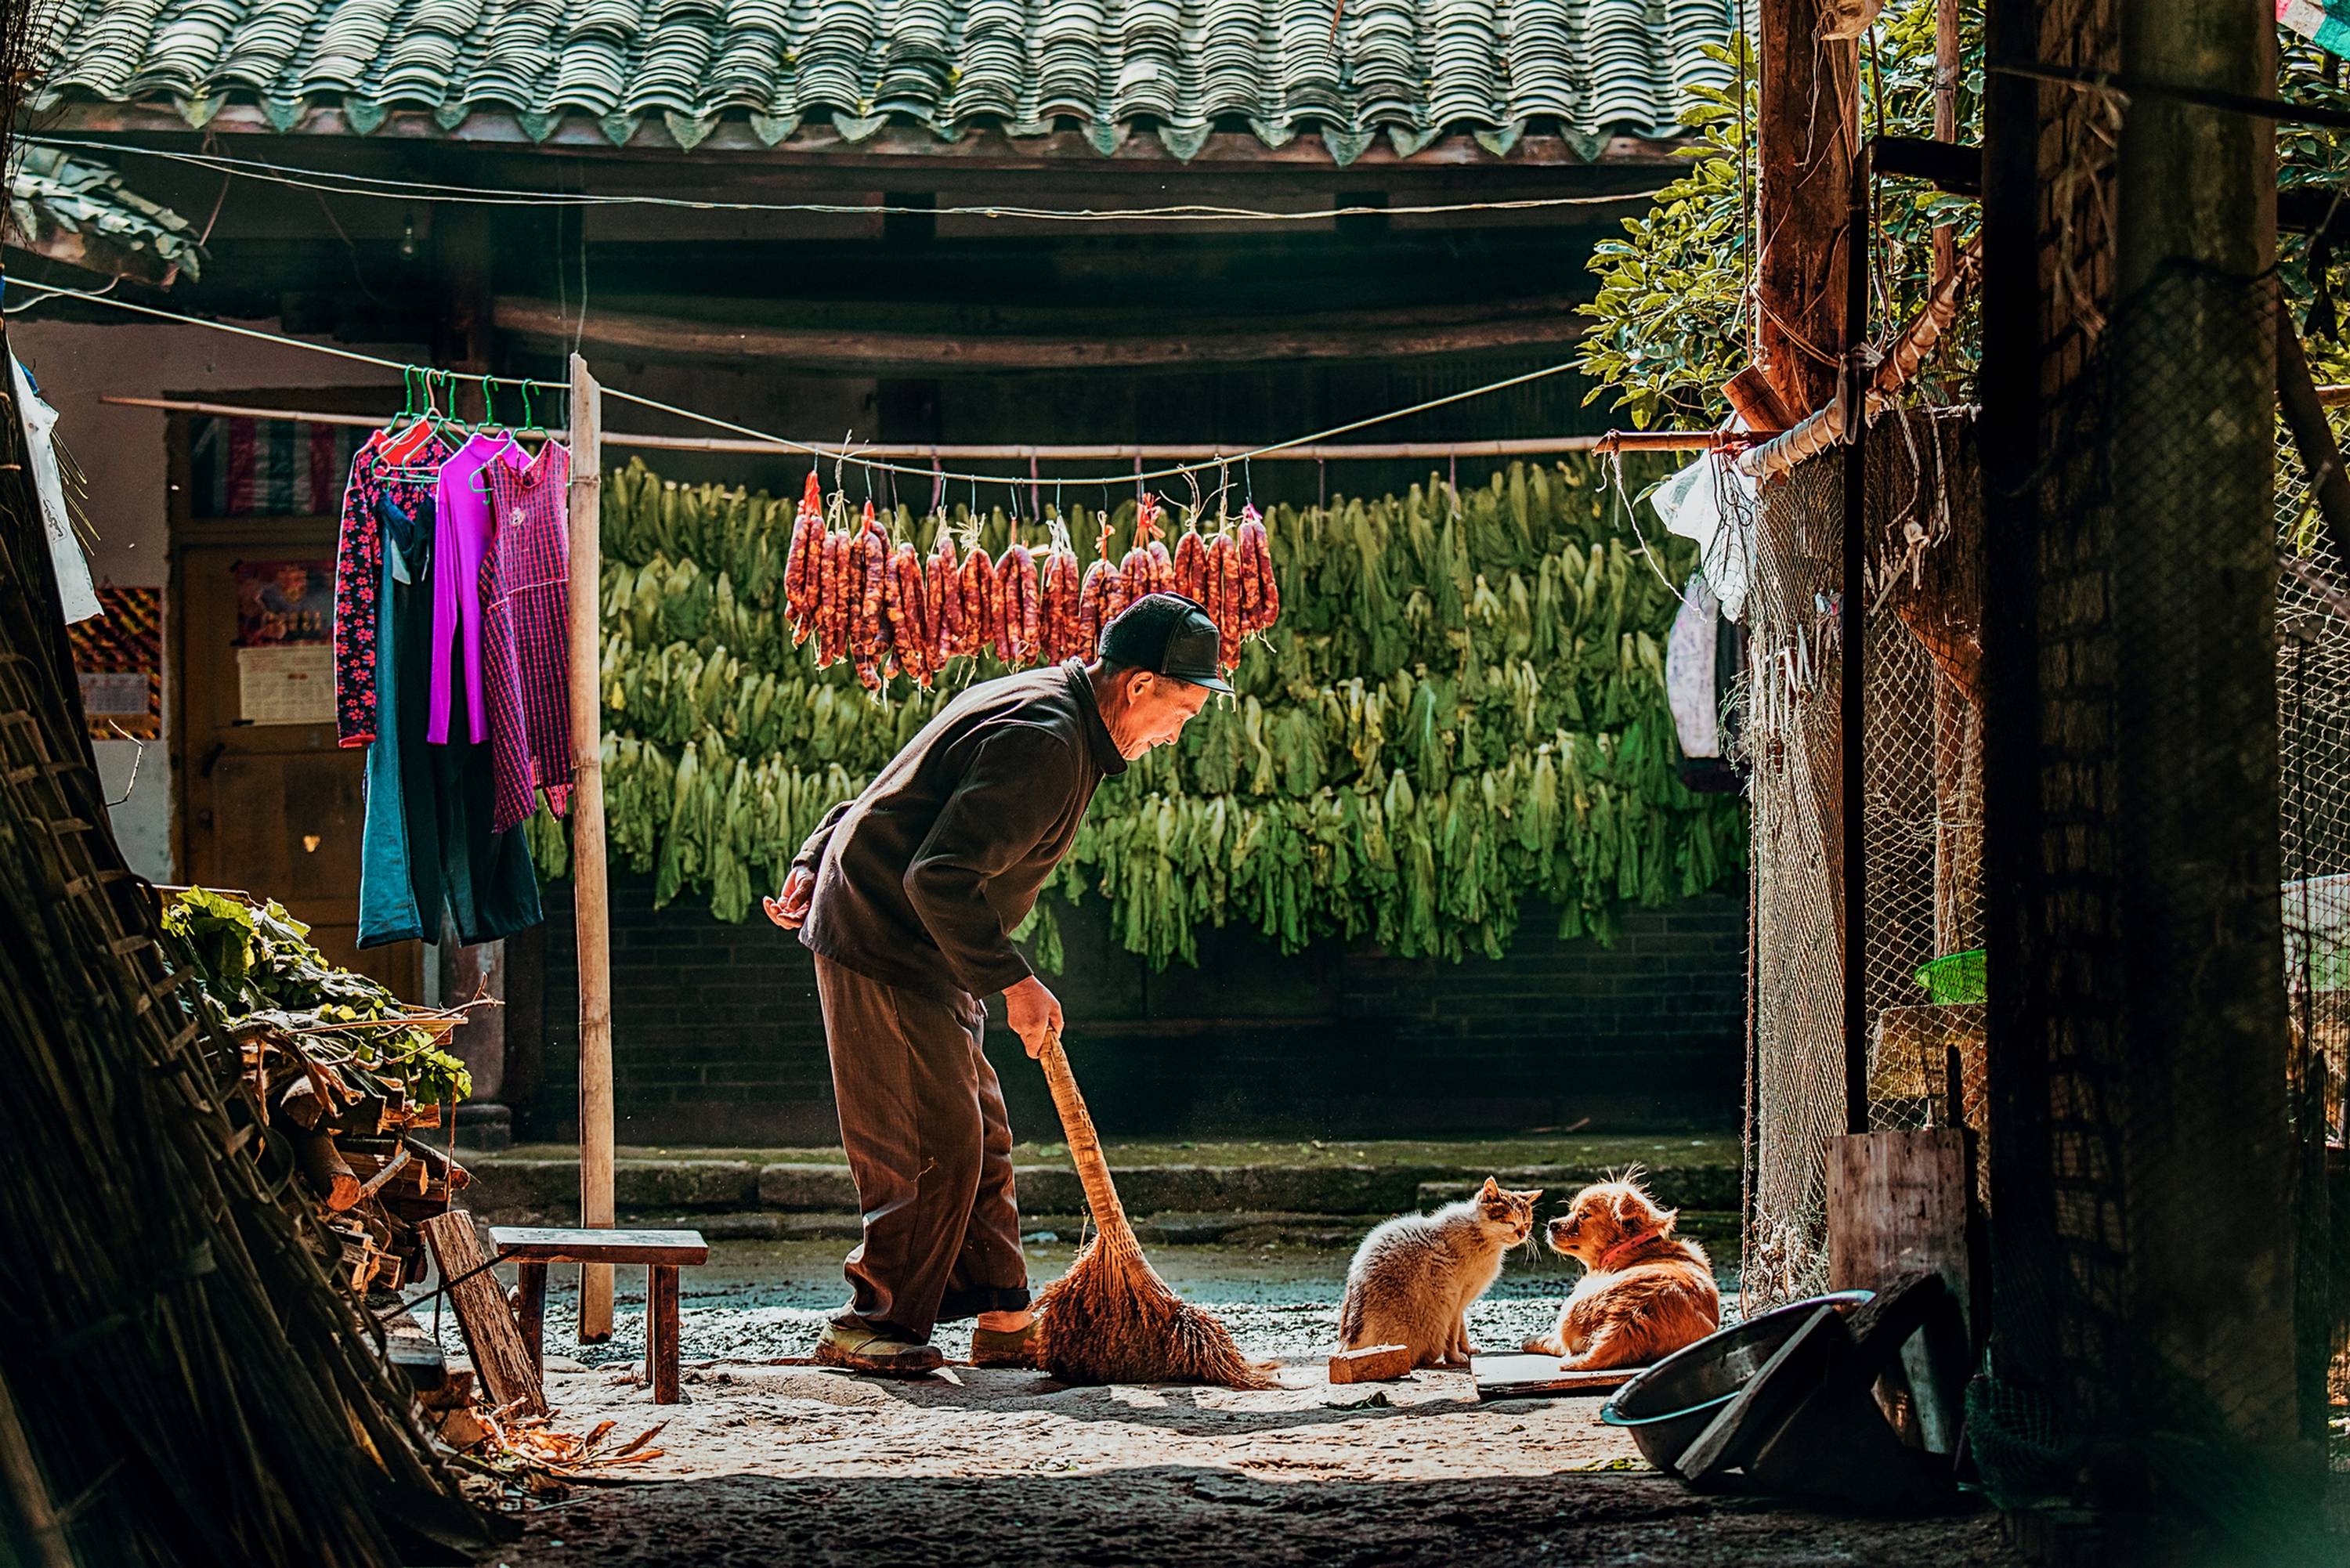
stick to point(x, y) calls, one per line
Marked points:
point(29, 1490)
point(590, 912)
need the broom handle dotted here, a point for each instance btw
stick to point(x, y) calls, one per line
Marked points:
point(1085, 1150)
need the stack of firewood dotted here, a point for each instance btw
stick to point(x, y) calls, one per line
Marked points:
point(357, 1143)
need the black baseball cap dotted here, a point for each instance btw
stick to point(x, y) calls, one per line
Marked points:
point(1167, 635)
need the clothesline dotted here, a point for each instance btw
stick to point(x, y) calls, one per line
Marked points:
point(1515, 446)
point(840, 454)
point(337, 183)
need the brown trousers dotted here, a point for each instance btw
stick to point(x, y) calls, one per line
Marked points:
point(921, 1119)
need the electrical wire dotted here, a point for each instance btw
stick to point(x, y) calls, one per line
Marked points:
point(335, 183)
point(837, 454)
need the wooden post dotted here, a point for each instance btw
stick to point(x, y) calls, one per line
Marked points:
point(661, 1331)
point(1946, 121)
point(1852, 662)
point(530, 1311)
point(2312, 437)
point(1805, 133)
point(590, 915)
point(2194, 946)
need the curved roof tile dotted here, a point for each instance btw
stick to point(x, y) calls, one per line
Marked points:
point(1407, 69)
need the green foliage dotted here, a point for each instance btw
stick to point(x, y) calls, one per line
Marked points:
point(2318, 157)
point(1666, 322)
point(1668, 327)
point(1461, 709)
point(1670, 320)
point(252, 960)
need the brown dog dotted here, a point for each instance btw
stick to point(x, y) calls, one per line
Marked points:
point(1646, 1291)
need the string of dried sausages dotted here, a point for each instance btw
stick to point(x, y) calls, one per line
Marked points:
point(1063, 637)
point(803, 578)
point(1016, 574)
point(889, 610)
point(869, 631)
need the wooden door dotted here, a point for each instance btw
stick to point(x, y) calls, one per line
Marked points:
point(274, 809)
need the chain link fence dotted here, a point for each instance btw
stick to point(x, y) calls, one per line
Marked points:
point(2314, 783)
point(1921, 946)
point(1922, 771)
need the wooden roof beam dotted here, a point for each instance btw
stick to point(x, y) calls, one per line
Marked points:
point(836, 351)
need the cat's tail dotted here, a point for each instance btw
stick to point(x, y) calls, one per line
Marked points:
point(1350, 1319)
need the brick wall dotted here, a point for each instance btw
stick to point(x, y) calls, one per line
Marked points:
point(717, 1037)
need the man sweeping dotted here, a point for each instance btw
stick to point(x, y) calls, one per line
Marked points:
point(907, 895)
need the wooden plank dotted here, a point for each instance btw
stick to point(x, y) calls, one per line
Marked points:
point(1832, 1446)
point(1811, 1355)
point(1897, 1203)
point(383, 1170)
point(1520, 1377)
point(1898, 1207)
point(1371, 1364)
point(1912, 1338)
point(500, 1358)
point(591, 925)
point(661, 1332)
point(1914, 1041)
point(876, 352)
point(547, 1245)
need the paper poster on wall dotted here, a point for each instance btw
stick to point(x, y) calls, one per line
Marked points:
point(118, 655)
point(279, 603)
point(290, 683)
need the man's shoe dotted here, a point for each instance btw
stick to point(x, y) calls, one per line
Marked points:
point(868, 1349)
point(994, 1347)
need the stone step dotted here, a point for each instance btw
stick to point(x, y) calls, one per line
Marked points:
point(1700, 1186)
point(1334, 1231)
point(514, 1190)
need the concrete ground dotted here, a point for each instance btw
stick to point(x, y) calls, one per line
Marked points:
point(773, 1460)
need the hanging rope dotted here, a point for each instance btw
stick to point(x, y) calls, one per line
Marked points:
point(840, 455)
point(337, 183)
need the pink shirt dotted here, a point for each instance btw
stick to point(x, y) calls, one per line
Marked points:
point(461, 538)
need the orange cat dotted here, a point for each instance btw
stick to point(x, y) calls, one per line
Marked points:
point(1646, 1292)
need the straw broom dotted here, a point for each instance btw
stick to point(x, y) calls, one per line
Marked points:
point(1111, 1319)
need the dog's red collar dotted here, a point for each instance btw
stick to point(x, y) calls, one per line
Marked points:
point(1613, 1258)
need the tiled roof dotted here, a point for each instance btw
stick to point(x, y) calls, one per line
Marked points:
point(1407, 69)
point(74, 209)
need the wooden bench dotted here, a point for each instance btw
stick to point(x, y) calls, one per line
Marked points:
point(531, 1248)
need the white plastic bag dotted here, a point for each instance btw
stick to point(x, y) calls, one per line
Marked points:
point(1711, 503)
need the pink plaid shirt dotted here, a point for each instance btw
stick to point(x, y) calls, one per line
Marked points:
point(525, 637)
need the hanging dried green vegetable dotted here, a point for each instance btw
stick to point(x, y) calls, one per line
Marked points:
point(1461, 711)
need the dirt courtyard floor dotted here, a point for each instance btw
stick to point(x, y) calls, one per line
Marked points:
point(771, 1461)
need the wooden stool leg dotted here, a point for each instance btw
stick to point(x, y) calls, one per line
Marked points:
point(530, 1282)
point(660, 1330)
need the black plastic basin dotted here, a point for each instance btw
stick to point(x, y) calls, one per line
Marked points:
point(1668, 1405)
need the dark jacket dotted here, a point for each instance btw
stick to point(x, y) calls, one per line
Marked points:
point(920, 879)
